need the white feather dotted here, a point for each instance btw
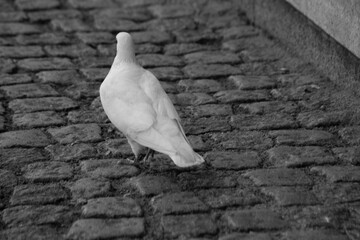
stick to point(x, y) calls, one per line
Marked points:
point(138, 106)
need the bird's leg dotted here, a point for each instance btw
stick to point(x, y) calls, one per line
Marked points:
point(149, 154)
point(136, 149)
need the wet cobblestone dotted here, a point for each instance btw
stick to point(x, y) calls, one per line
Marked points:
point(281, 145)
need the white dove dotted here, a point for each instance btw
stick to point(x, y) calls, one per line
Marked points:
point(138, 106)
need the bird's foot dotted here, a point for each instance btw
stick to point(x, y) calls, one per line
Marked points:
point(149, 155)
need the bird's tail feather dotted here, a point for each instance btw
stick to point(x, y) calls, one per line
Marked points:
point(171, 141)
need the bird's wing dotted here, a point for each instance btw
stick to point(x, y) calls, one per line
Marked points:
point(161, 101)
point(130, 115)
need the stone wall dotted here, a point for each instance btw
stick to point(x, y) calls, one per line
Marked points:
point(339, 19)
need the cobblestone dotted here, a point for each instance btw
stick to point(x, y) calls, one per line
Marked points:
point(95, 37)
point(208, 110)
point(156, 37)
point(37, 64)
point(210, 70)
point(18, 156)
point(314, 234)
point(111, 207)
point(182, 202)
point(29, 90)
point(157, 60)
point(116, 147)
point(18, 28)
point(37, 119)
point(207, 180)
point(28, 214)
point(201, 85)
point(167, 24)
point(338, 193)
point(204, 125)
point(171, 11)
point(71, 152)
point(21, 51)
point(280, 140)
point(41, 104)
point(233, 160)
point(46, 15)
point(91, 4)
point(266, 107)
point(31, 233)
point(87, 116)
point(167, 73)
point(278, 177)
point(184, 48)
point(243, 82)
point(69, 50)
point(212, 57)
point(152, 185)
point(348, 154)
point(6, 65)
point(257, 219)
point(192, 225)
point(247, 236)
point(228, 198)
point(339, 173)
point(350, 134)
point(37, 4)
point(108, 168)
point(288, 156)
point(106, 228)
point(262, 122)
point(43, 38)
point(6, 79)
point(76, 133)
point(243, 140)
point(194, 98)
point(239, 96)
point(89, 188)
point(302, 137)
point(8, 179)
point(12, 16)
point(24, 138)
point(69, 25)
point(47, 171)
point(287, 196)
point(38, 194)
point(83, 90)
point(319, 118)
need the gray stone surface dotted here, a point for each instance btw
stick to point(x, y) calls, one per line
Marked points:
point(85, 188)
point(30, 214)
point(76, 133)
point(289, 156)
point(38, 194)
point(24, 138)
point(254, 219)
point(193, 225)
point(47, 171)
point(280, 141)
point(152, 185)
point(279, 177)
point(111, 207)
point(106, 228)
point(175, 203)
point(108, 168)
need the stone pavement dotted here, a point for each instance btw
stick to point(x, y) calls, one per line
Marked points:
point(280, 140)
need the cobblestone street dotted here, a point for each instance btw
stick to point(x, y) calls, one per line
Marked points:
point(281, 142)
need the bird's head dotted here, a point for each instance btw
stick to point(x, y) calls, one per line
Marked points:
point(125, 49)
